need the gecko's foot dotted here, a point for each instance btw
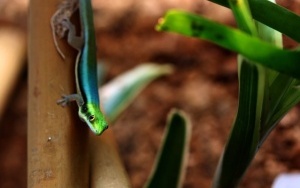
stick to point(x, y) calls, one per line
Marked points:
point(64, 101)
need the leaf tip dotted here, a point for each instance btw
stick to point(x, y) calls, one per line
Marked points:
point(160, 25)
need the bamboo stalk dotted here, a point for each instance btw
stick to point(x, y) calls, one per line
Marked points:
point(107, 169)
point(57, 139)
point(12, 53)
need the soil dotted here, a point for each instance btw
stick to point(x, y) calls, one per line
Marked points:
point(204, 85)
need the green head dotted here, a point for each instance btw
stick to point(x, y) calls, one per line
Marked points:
point(90, 113)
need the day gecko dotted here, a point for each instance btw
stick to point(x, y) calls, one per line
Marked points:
point(87, 97)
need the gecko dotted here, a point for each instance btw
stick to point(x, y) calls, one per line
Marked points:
point(87, 97)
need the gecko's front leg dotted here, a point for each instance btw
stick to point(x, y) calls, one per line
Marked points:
point(66, 99)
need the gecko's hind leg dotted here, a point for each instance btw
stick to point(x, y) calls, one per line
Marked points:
point(73, 40)
point(64, 12)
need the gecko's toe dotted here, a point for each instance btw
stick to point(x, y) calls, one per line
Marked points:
point(62, 102)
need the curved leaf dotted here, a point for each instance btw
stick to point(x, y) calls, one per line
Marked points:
point(117, 94)
point(285, 23)
point(171, 161)
point(283, 61)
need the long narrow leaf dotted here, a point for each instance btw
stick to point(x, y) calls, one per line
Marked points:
point(117, 94)
point(284, 61)
point(171, 161)
point(290, 98)
point(282, 94)
point(242, 144)
point(277, 17)
point(243, 17)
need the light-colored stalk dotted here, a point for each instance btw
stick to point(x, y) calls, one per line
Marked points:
point(107, 169)
point(57, 139)
point(12, 53)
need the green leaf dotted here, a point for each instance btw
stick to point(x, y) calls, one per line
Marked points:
point(243, 17)
point(243, 140)
point(272, 15)
point(285, 96)
point(119, 93)
point(275, 94)
point(171, 161)
point(265, 95)
point(284, 61)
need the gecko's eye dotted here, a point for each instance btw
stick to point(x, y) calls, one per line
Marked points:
point(91, 118)
point(84, 109)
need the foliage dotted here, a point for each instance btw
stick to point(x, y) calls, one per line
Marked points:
point(171, 160)
point(120, 92)
point(267, 74)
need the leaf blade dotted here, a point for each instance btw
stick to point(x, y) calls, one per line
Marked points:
point(120, 92)
point(284, 61)
point(285, 23)
point(170, 162)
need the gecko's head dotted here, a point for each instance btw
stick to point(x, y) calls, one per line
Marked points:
point(93, 117)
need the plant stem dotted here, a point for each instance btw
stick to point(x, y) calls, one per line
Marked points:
point(107, 169)
point(12, 53)
point(57, 139)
